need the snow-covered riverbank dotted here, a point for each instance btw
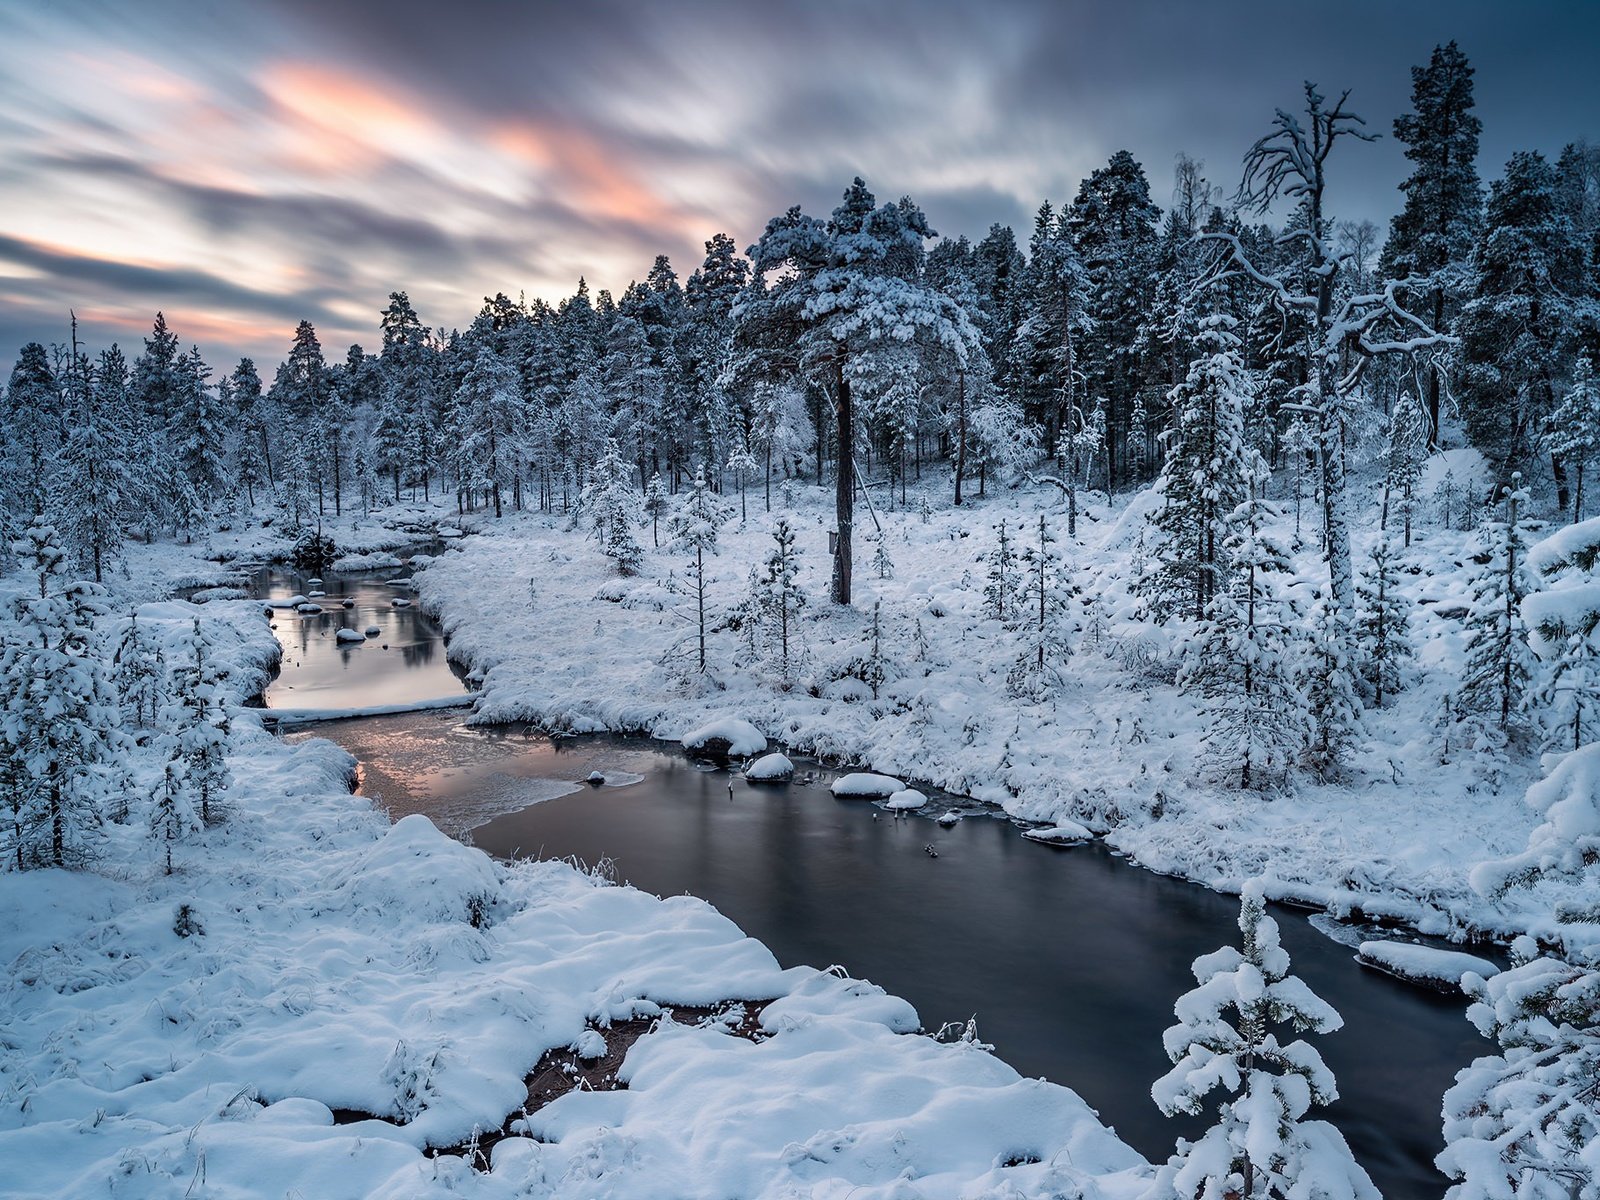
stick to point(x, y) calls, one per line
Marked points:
point(555, 637)
point(226, 1029)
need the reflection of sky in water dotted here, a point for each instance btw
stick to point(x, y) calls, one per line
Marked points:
point(405, 662)
point(461, 778)
point(1072, 966)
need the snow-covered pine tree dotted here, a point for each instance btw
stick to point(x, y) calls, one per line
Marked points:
point(656, 505)
point(693, 526)
point(1043, 610)
point(60, 718)
point(93, 482)
point(1499, 662)
point(881, 560)
point(198, 433)
point(489, 417)
point(1383, 620)
point(1000, 590)
point(612, 506)
point(1208, 470)
point(1564, 631)
point(780, 595)
point(1238, 659)
point(744, 466)
point(1430, 240)
point(1524, 1124)
point(1227, 1039)
point(172, 815)
point(1573, 433)
point(1403, 454)
point(31, 430)
point(138, 673)
point(1325, 676)
point(196, 718)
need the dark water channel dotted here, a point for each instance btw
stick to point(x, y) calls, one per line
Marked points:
point(1070, 958)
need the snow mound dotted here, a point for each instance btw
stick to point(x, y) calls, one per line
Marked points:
point(866, 785)
point(729, 736)
point(308, 609)
point(400, 602)
point(377, 560)
point(770, 768)
point(1441, 969)
point(1060, 834)
point(416, 873)
point(373, 631)
point(949, 818)
point(907, 798)
point(350, 637)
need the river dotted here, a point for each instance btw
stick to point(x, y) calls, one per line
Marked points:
point(1070, 959)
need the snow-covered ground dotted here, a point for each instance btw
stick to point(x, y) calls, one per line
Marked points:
point(556, 637)
point(316, 1001)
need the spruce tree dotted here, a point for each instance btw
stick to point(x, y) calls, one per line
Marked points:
point(612, 506)
point(1209, 470)
point(198, 432)
point(1238, 659)
point(656, 506)
point(693, 526)
point(59, 731)
point(1383, 619)
point(1043, 609)
point(1001, 586)
point(1227, 1040)
point(1572, 435)
point(1403, 454)
point(779, 596)
point(1520, 328)
point(1499, 661)
point(1326, 678)
point(95, 479)
point(197, 722)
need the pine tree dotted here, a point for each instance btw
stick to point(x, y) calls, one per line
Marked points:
point(1383, 619)
point(743, 464)
point(612, 506)
point(1326, 678)
point(1573, 432)
point(846, 297)
point(1209, 469)
point(31, 429)
point(1044, 602)
point(198, 432)
point(197, 722)
point(1431, 238)
point(138, 673)
point(1520, 329)
point(881, 560)
point(60, 720)
point(693, 526)
point(172, 816)
point(95, 480)
point(1237, 661)
point(1499, 661)
point(780, 598)
point(488, 419)
point(1403, 456)
point(1227, 1039)
point(1001, 587)
point(656, 506)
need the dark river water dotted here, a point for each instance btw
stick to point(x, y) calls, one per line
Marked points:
point(1070, 959)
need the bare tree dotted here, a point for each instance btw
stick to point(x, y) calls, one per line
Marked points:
point(1290, 163)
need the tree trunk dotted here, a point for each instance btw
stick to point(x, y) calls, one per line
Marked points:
point(844, 496)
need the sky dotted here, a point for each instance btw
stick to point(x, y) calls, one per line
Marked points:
point(243, 166)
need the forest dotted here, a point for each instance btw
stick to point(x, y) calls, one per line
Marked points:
point(1282, 407)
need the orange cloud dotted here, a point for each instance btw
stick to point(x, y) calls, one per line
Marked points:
point(337, 120)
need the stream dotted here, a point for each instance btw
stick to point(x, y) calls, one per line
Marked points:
point(1070, 958)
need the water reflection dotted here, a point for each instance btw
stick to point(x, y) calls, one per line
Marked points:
point(1071, 959)
point(401, 663)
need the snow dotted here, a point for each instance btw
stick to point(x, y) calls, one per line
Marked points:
point(299, 715)
point(1116, 748)
point(907, 798)
point(1061, 832)
point(770, 768)
point(1441, 969)
point(333, 961)
point(350, 636)
point(727, 735)
point(866, 785)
